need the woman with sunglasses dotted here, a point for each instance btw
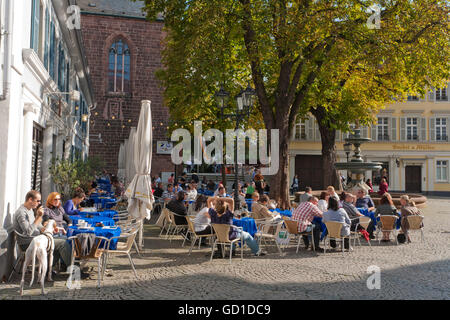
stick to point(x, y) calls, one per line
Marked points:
point(54, 210)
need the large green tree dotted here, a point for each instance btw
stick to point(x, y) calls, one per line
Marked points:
point(302, 56)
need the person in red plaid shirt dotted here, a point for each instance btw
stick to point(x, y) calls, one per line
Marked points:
point(304, 214)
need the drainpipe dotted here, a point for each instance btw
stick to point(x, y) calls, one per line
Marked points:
point(8, 50)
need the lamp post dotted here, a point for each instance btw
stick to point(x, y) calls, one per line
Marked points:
point(244, 102)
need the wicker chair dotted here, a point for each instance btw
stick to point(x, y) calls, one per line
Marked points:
point(388, 225)
point(292, 228)
point(264, 232)
point(334, 232)
point(95, 253)
point(122, 247)
point(21, 254)
point(177, 227)
point(415, 224)
point(222, 237)
point(364, 223)
point(191, 231)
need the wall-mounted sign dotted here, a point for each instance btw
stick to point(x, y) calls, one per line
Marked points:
point(412, 147)
point(164, 147)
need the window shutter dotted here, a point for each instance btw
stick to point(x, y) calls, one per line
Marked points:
point(47, 39)
point(338, 135)
point(310, 128)
point(392, 122)
point(431, 95)
point(423, 129)
point(373, 132)
point(402, 129)
point(447, 126)
point(432, 129)
point(35, 16)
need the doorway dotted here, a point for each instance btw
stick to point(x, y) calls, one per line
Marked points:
point(413, 179)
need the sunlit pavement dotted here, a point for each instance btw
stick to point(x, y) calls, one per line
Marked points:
point(407, 271)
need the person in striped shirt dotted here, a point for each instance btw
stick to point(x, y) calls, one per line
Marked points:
point(304, 214)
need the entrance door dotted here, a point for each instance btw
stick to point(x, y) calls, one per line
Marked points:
point(413, 179)
point(309, 171)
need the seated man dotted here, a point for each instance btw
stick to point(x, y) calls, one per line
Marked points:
point(159, 190)
point(304, 214)
point(260, 209)
point(25, 223)
point(178, 207)
point(221, 192)
point(168, 194)
point(364, 201)
point(351, 210)
point(305, 196)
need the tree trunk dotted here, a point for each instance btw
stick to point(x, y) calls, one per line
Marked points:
point(279, 190)
point(329, 157)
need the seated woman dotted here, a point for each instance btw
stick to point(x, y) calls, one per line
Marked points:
point(117, 187)
point(71, 205)
point(387, 208)
point(335, 213)
point(202, 222)
point(54, 210)
point(220, 211)
point(408, 209)
point(323, 201)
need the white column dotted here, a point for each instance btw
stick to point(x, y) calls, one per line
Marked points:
point(46, 160)
point(29, 112)
point(431, 174)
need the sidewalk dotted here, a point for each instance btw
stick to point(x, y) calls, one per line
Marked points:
point(409, 271)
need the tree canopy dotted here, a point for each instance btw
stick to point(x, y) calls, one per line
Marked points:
point(317, 56)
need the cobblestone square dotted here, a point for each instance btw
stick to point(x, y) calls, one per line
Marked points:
point(408, 271)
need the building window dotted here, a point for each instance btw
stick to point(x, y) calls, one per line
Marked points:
point(119, 67)
point(441, 94)
point(383, 129)
point(441, 129)
point(413, 98)
point(300, 130)
point(441, 170)
point(36, 9)
point(411, 129)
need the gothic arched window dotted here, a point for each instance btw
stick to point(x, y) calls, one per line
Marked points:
point(119, 67)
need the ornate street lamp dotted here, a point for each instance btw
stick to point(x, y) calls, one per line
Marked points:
point(244, 103)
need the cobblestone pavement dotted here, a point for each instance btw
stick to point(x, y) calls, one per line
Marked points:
point(408, 271)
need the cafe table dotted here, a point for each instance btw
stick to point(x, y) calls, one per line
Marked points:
point(248, 225)
point(107, 232)
point(108, 222)
point(105, 213)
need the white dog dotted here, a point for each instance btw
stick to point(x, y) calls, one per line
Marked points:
point(40, 246)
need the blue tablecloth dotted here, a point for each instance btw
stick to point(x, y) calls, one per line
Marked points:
point(108, 222)
point(249, 204)
point(248, 224)
point(104, 202)
point(105, 213)
point(287, 213)
point(98, 231)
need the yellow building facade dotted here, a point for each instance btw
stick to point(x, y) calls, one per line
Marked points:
point(410, 139)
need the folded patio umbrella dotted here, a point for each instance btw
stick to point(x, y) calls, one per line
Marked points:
point(130, 168)
point(121, 163)
point(139, 191)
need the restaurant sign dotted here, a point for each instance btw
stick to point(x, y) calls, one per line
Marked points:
point(412, 147)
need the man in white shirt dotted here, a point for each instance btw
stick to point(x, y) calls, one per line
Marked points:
point(192, 193)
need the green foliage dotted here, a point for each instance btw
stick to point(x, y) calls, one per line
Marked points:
point(68, 175)
point(300, 55)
